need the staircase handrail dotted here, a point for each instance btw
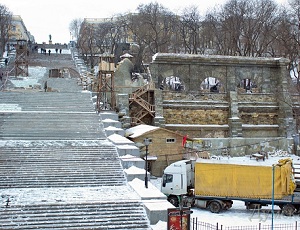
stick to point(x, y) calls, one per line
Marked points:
point(146, 105)
point(140, 91)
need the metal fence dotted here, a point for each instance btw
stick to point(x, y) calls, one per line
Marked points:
point(199, 225)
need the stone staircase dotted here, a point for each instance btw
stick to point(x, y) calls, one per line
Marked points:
point(60, 167)
point(58, 170)
point(107, 215)
point(48, 116)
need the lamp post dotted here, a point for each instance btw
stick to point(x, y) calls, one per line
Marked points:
point(146, 143)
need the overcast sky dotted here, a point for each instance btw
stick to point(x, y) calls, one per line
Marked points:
point(45, 17)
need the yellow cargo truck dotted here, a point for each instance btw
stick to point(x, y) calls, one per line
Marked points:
point(214, 184)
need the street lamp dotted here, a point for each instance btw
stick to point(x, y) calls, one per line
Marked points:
point(146, 143)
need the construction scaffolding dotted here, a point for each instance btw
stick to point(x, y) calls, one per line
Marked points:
point(21, 61)
point(106, 99)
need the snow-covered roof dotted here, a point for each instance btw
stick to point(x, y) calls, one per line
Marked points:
point(139, 130)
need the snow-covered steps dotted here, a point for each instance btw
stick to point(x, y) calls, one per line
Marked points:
point(104, 215)
point(49, 101)
point(60, 166)
point(50, 126)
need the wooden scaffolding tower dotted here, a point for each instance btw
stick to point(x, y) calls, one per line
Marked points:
point(21, 61)
point(106, 99)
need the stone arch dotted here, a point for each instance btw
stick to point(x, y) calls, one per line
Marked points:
point(172, 83)
point(211, 85)
point(249, 81)
point(214, 78)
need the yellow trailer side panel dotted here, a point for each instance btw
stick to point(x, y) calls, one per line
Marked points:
point(246, 181)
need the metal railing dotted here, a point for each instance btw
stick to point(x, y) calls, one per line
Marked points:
point(199, 225)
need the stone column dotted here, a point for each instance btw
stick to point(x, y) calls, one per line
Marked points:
point(286, 121)
point(234, 121)
point(159, 120)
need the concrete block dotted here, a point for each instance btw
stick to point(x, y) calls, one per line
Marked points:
point(128, 149)
point(147, 193)
point(157, 210)
point(154, 200)
point(136, 173)
point(120, 140)
point(109, 115)
point(113, 130)
point(129, 160)
point(110, 122)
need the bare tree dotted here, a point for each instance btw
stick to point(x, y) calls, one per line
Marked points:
point(111, 33)
point(135, 26)
point(5, 26)
point(243, 27)
point(156, 31)
point(289, 36)
point(190, 29)
point(104, 33)
point(74, 27)
point(87, 43)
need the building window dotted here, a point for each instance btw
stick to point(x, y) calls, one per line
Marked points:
point(170, 140)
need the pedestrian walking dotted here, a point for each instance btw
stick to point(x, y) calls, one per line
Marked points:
point(60, 51)
point(49, 51)
point(45, 86)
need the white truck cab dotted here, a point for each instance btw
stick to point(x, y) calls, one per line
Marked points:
point(177, 179)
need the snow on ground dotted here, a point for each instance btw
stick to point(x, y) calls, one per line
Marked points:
point(34, 75)
point(28, 196)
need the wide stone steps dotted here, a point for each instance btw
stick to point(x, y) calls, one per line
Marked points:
point(50, 126)
point(41, 101)
point(104, 215)
point(48, 116)
point(70, 166)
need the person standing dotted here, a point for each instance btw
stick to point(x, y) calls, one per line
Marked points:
point(49, 51)
point(45, 86)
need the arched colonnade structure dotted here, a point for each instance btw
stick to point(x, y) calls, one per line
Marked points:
point(250, 110)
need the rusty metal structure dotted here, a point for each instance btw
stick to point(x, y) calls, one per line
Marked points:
point(21, 62)
point(106, 99)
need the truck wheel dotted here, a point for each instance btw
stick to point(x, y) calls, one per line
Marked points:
point(214, 207)
point(174, 200)
point(288, 210)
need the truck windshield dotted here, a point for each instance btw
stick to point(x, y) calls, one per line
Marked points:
point(167, 178)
